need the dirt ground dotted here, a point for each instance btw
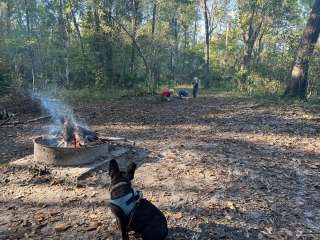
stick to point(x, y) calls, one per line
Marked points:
point(219, 167)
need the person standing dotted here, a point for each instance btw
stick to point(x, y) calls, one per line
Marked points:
point(195, 88)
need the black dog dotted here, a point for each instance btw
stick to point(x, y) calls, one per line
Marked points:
point(133, 212)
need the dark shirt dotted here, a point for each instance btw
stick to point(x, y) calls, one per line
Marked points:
point(183, 93)
point(195, 85)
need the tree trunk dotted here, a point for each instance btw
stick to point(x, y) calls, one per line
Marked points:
point(134, 22)
point(297, 87)
point(226, 40)
point(138, 48)
point(9, 13)
point(64, 37)
point(30, 49)
point(174, 50)
point(108, 42)
point(171, 79)
point(195, 27)
point(251, 37)
point(98, 43)
point(77, 28)
point(152, 68)
point(154, 15)
point(207, 33)
point(226, 43)
point(260, 48)
point(185, 46)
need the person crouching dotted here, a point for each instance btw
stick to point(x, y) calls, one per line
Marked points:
point(166, 94)
point(183, 94)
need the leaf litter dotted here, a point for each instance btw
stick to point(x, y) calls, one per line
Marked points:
point(219, 167)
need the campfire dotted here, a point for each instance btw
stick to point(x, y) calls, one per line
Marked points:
point(75, 136)
point(71, 144)
point(67, 129)
point(68, 142)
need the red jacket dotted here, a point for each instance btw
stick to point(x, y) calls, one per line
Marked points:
point(165, 93)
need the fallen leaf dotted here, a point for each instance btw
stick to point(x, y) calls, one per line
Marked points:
point(177, 215)
point(60, 227)
point(269, 230)
point(53, 213)
point(92, 226)
point(40, 216)
point(230, 205)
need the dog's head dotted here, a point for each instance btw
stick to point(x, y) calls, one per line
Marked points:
point(120, 181)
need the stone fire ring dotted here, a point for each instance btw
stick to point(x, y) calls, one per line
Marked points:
point(59, 156)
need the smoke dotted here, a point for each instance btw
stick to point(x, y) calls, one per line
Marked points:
point(57, 110)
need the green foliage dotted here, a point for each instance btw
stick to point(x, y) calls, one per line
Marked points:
point(95, 95)
point(97, 46)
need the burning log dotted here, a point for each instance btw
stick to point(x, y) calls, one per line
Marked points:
point(77, 140)
point(76, 136)
point(89, 135)
point(68, 132)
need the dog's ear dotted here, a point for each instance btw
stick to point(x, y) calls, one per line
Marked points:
point(131, 169)
point(113, 167)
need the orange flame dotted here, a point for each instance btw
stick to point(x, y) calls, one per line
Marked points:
point(77, 139)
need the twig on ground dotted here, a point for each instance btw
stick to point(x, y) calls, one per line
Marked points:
point(24, 122)
point(5, 121)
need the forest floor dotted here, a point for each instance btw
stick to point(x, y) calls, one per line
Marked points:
point(219, 167)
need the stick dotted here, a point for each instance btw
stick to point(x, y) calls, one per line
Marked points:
point(38, 119)
point(29, 121)
point(113, 139)
point(5, 121)
point(116, 139)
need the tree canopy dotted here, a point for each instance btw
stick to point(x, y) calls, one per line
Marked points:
point(142, 44)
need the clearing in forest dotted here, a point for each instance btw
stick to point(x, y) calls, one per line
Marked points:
point(219, 167)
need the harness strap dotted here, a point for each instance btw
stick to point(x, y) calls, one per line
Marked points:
point(117, 185)
point(132, 214)
point(139, 196)
point(134, 197)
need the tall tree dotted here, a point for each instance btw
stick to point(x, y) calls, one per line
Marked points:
point(213, 15)
point(250, 37)
point(298, 84)
point(134, 24)
point(152, 55)
point(256, 16)
point(65, 42)
point(207, 33)
point(9, 13)
point(30, 48)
